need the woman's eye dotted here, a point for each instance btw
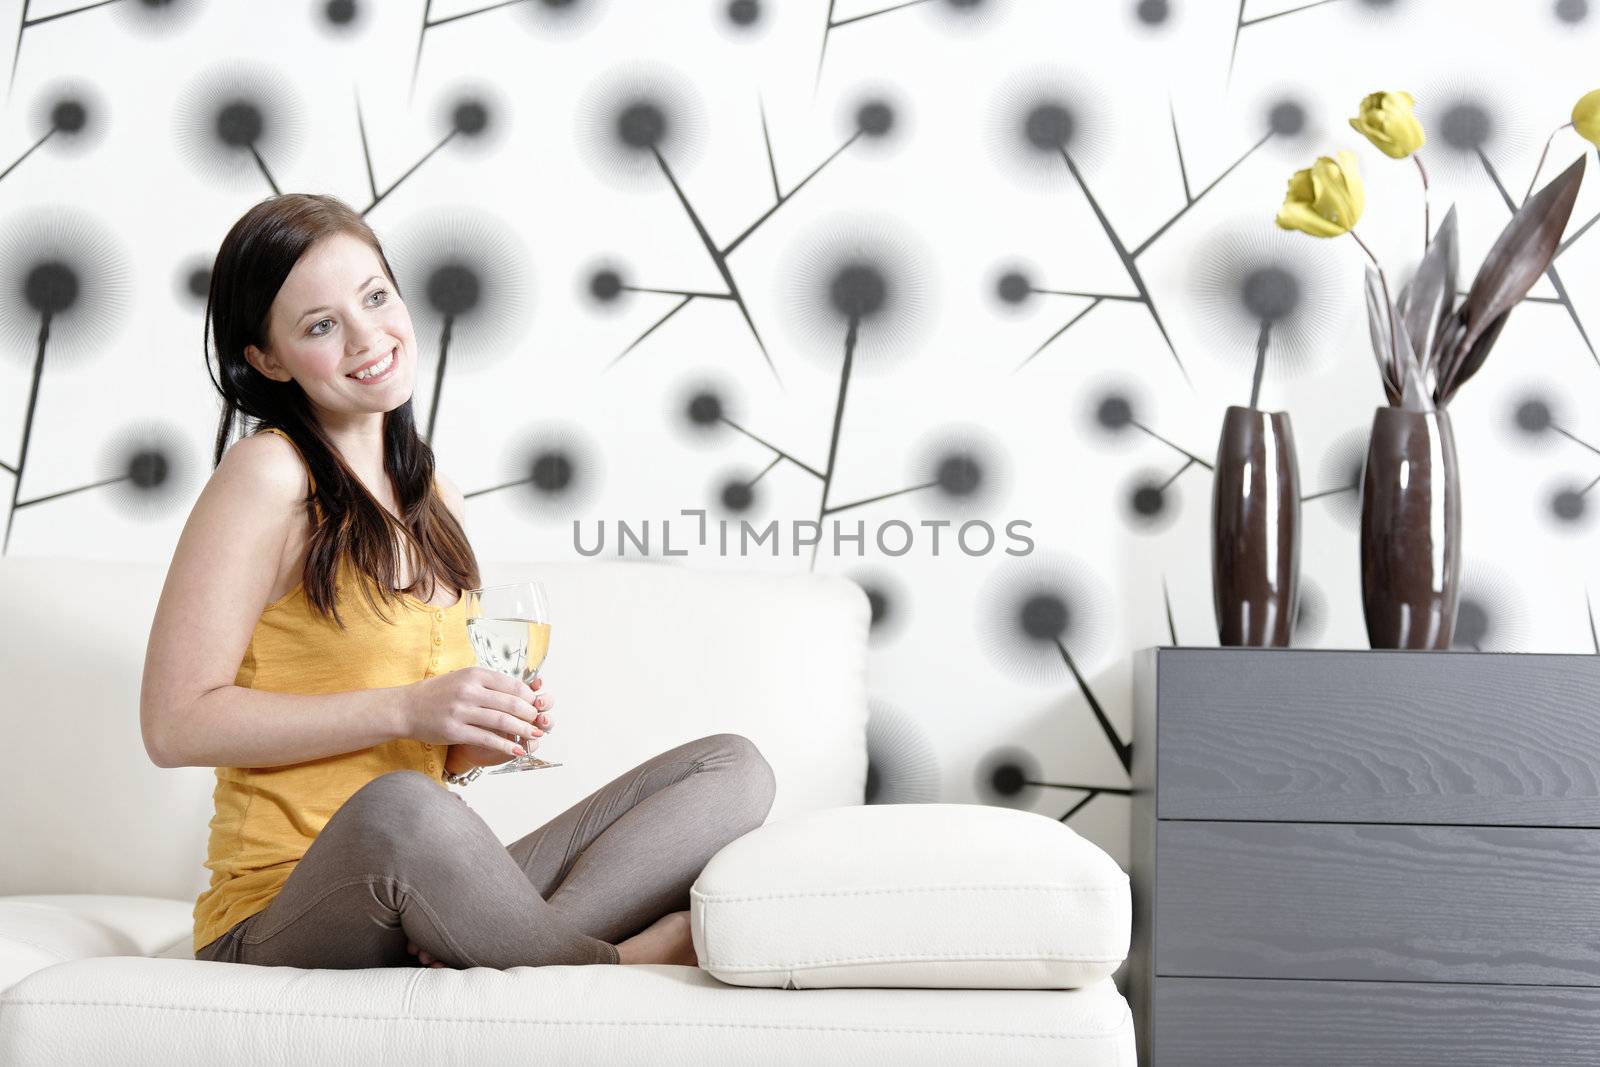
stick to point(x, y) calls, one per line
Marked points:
point(384, 293)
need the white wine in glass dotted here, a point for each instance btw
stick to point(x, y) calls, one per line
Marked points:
point(509, 626)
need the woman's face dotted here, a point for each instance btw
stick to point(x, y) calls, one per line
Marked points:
point(337, 313)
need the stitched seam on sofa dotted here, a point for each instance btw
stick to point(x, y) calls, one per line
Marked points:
point(411, 991)
point(367, 880)
point(1041, 887)
point(898, 957)
point(511, 1021)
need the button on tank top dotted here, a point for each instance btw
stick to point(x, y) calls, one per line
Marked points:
point(265, 818)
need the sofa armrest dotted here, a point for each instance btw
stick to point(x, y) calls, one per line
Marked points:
point(923, 895)
point(40, 931)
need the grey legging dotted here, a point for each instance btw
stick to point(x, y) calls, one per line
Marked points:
point(404, 860)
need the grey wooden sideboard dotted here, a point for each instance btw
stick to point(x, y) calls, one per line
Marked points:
point(1365, 858)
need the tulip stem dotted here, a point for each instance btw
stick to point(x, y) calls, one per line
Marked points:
point(1427, 222)
point(1396, 361)
point(1542, 155)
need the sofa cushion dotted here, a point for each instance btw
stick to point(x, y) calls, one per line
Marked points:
point(702, 652)
point(132, 1012)
point(43, 930)
point(929, 895)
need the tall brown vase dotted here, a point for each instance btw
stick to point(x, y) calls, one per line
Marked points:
point(1410, 530)
point(1255, 529)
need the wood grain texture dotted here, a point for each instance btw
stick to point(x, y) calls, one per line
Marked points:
point(1405, 737)
point(1142, 856)
point(1212, 1022)
point(1387, 903)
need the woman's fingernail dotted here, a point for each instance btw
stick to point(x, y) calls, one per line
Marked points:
point(519, 750)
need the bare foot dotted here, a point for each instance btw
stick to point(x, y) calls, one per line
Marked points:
point(667, 940)
point(421, 954)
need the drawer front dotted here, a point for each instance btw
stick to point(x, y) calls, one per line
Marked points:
point(1405, 737)
point(1409, 903)
point(1209, 1022)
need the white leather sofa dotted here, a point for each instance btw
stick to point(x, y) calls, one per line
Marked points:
point(837, 933)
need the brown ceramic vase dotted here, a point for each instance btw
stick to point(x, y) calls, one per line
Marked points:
point(1410, 530)
point(1255, 529)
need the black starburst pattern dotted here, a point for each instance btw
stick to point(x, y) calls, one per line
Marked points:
point(1373, 7)
point(547, 17)
point(1153, 13)
point(140, 16)
point(341, 16)
point(558, 469)
point(742, 16)
point(646, 130)
point(1311, 614)
point(64, 292)
point(1045, 620)
point(465, 276)
point(1339, 477)
point(68, 116)
point(902, 764)
point(888, 599)
point(238, 124)
point(1534, 416)
point(855, 282)
point(1267, 301)
point(192, 281)
point(1011, 776)
point(1491, 615)
point(964, 14)
point(1045, 122)
point(466, 116)
point(959, 468)
point(1151, 497)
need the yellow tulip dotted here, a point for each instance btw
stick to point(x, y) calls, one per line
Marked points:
point(1586, 116)
point(1386, 120)
point(1324, 200)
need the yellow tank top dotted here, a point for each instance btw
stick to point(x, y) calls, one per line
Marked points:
point(266, 817)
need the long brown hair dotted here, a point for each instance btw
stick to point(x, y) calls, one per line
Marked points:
point(251, 265)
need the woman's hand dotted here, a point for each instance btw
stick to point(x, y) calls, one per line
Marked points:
point(473, 706)
point(463, 757)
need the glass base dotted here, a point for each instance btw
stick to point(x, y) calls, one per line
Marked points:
point(523, 763)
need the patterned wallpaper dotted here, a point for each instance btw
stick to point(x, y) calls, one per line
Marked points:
point(956, 289)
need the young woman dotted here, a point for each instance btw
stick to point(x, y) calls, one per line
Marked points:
point(310, 643)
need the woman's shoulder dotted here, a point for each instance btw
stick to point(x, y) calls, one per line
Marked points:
point(453, 497)
point(267, 462)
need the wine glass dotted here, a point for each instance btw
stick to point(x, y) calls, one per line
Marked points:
point(509, 626)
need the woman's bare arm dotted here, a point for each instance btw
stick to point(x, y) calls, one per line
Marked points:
point(219, 580)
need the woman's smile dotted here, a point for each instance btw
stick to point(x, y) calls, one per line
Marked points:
point(380, 369)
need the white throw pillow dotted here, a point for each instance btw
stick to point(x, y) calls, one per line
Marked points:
point(921, 895)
